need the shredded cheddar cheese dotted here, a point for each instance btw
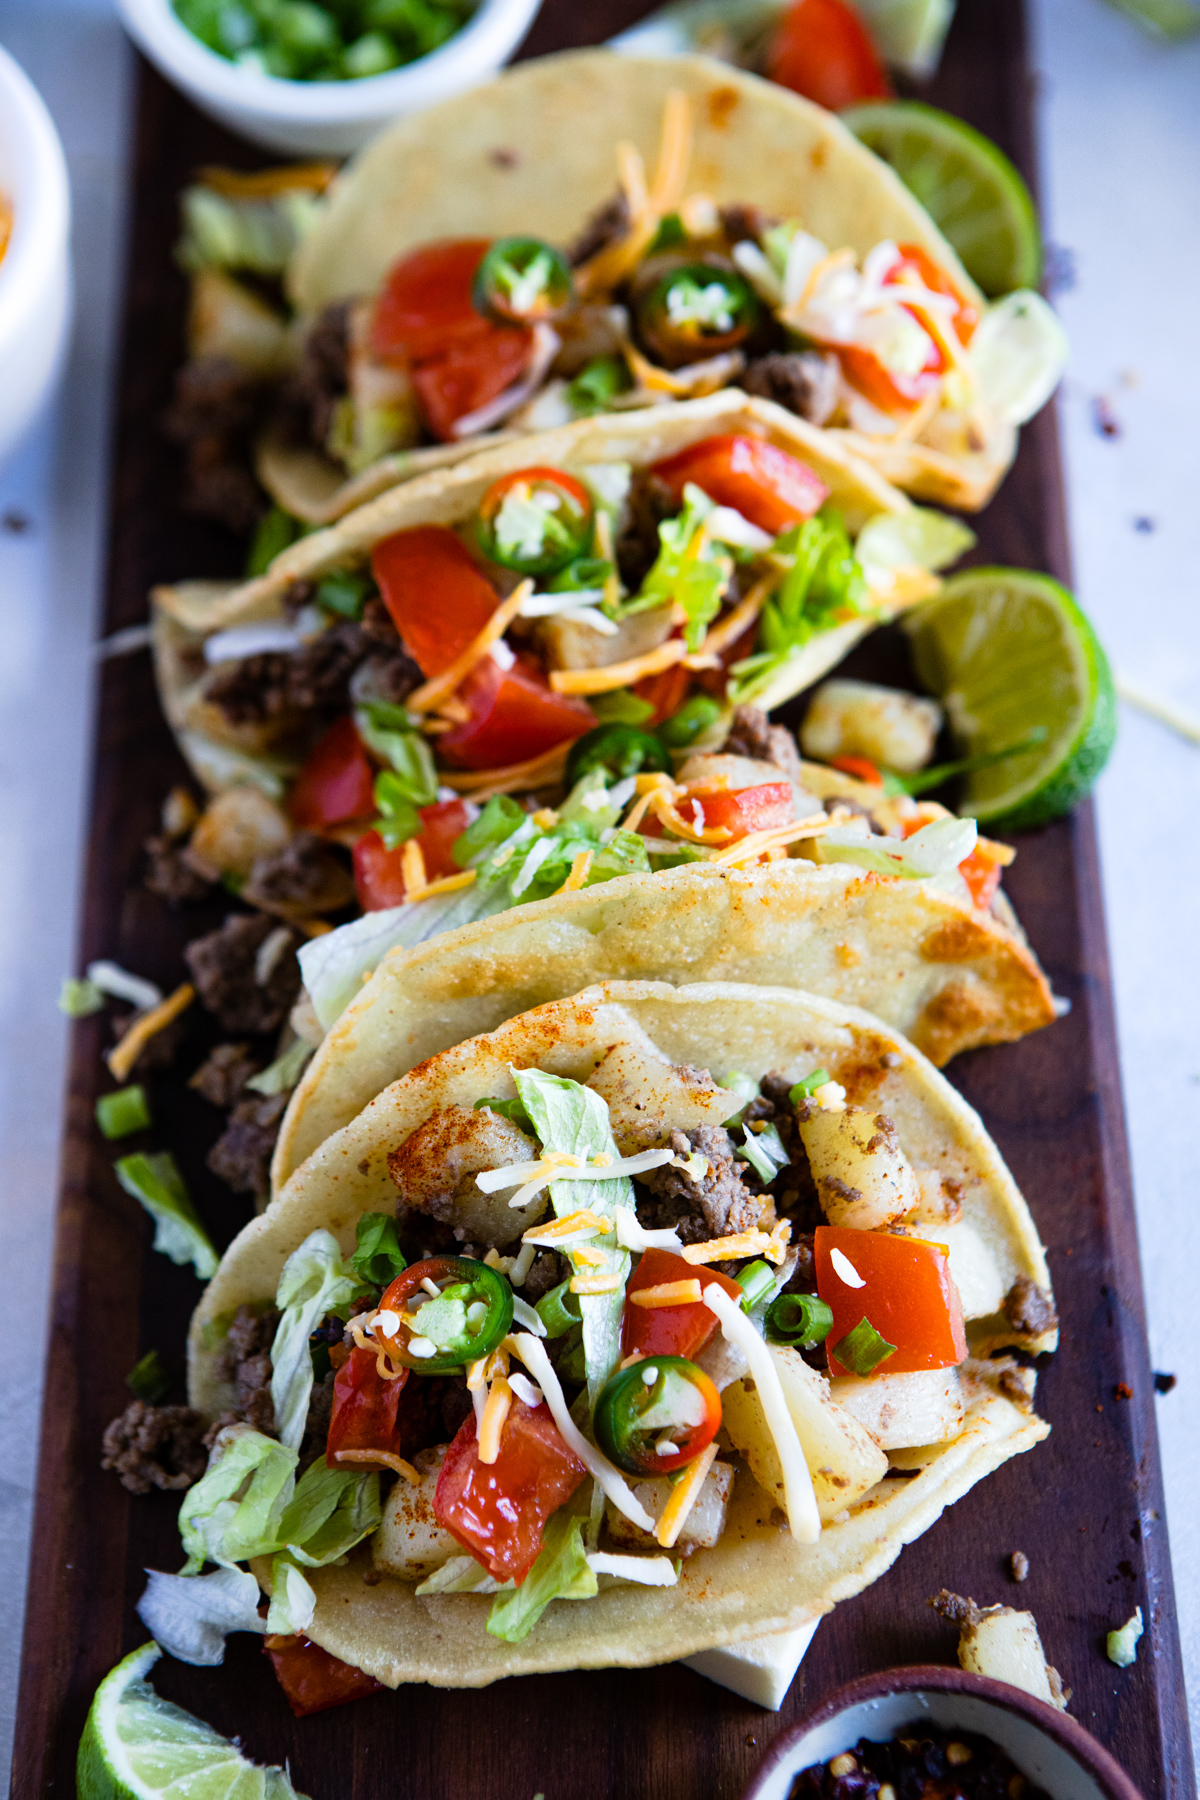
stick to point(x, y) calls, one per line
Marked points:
point(568, 1226)
point(684, 1496)
point(445, 884)
point(580, 869)
point(727, 1249)
point(379, 1459)
point(618, 675)
point(595, 1284)
point(777, 1245)
point(668, 1293)
point(123, 1056)
point(729, 629)
point(495, 1412)
point(1001, 854)
point(412, 867)
point(538, 771)
point(432, 694)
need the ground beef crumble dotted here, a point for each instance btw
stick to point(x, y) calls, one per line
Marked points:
point(223, 966)
point(155, 1447)
point(1029, 1308)
point(715, 1205)
point(651, 500)
point(803, 381)
point(320, 382)
point(214, 414)
point(242, 1154)
point(170, 875)
point(603, 227)
point(546, 1271)
point(308, 875)
point(752, 734)
point(224, 1073)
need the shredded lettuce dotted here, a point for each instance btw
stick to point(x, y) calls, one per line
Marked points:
point(315, 1281)
point(155, 1181)
point(692, 570)
point(217, 1527)
point(567, 1116)
point(293, 1601)
point(190, 1615)
point(823, 587)
point(330, 1511)
point(461, 1575)
point(79, 998)
point(561, 1572)
point(764, 1152)
point(933, 852)
point(1122, 1644)
point(918, 538)
point(255, 234)
point(281, 1076)
point(377, 1258)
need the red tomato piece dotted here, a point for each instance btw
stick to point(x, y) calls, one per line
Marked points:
point(364, 1408)
point(336, 783)
point(982, 877)
point(426, 300)
point(379, 872)
point(468, 374)
point(821, 49)
point(514, 715)
point(670, 1330)
point(438, 599)
point(909, 1297)
point(917, 265)
point(497, 1511)
point(861, 767)
point(883, 387)
point(743, 810)
point(767, 485)
point(312, 1679)
point(666, 693)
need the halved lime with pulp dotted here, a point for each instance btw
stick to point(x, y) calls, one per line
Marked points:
point(136, 1746)
point(968, 187)
point(1014, 661)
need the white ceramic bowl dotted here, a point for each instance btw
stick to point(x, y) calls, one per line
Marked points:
point(330, 118)
point(1050, 1748)
point(35, 274)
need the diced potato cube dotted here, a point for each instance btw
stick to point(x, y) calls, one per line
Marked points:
point(864, 1180)
point(702, 1527)
point(435, 1168)
point(939, 1203)
point(410, 1543)
point(648, 1097)
point(236, 829)
point(574, 644)
point(974, 1269)
point(893, 729)
point(842, 1460)
point(902, 1410)
point(1006, 1646)
point(226, 321)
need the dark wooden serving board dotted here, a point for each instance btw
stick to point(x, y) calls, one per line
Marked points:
point(1086, 1507)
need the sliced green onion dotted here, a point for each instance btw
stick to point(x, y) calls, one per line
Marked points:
point(281, 1076)
point(344, 593)
point(149, 1379)
point(755, 1280)
point(764, 1151)
point(512, 1110)
point(671, 234)
point(123, 1112)
point(621, 707)
point(398, 818)
point(863, 1349)
point(746, 1089)
point(559, 1310)
point(798, 1319)
point(275, 532)
point(805, 1089)
point(156, 1183)
point(79, 998)
point(378, 1258)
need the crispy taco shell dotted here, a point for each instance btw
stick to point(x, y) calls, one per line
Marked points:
point(512, 157)
point(757, 1579)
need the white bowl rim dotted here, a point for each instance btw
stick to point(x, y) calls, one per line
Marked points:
point(194, 66)
point(920, 1678)
point(42, 211)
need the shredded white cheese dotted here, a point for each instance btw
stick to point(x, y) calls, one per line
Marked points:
point(647, 1571)
point(533, 1355)
point(845, 1270)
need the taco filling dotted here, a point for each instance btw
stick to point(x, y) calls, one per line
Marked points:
point(599, 1310)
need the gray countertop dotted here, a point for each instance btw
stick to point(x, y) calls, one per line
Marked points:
point(1120, 134)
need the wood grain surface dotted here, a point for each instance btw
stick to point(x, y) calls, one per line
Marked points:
point(1086, 1507)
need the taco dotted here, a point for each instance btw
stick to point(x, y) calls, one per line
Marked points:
point(547, 1267)
point(591, 232)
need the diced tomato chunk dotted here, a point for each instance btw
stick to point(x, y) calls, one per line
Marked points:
point(767, 485)
point(743, 810)
point(665, 692)
point(821, 49)
point(514, 715)
point(497, 1511)
point(426, 301)
point(438, 599)
point(670, 1330)
point(982, 877)
point(908, 1295)
point(468, 374)
point(313, 1680)
point(337, 782)
point(883, 387)
point(364, 1408)
point(861, 767)
point(379, 872)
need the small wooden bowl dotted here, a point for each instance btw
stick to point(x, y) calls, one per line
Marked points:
point(1047, 1746)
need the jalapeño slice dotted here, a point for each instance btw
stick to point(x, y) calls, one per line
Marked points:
point(469, 1315)
point(522, 280)
point(657, 1415)
point(694, 311)
point(535, 521)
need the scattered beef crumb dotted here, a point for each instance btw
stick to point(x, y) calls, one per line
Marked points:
point(1029, 1308)
point(249, 1332)
point(1122, 1391)
point(224, 1073)
point(546, 1271)
point(651, 500)
point(608, 223)
point(214, 415)
point(803, 381)
point(307, 875)
point(372, 1577)
point(170, 875)
point(155, 1447)
point(223, 966)
point(1019, 1564)
point(745, 221)
point(323, 375)
point(246, 1364)
point(242, 1154)
point(803, 1279)
point(954, 1608)
point(1164, 1383)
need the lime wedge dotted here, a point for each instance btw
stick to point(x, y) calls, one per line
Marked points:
point(138, 1747)
point(967, 186)
point(1011, 657)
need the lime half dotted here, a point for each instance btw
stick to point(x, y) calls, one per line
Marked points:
point(969, 188)
point(138, 1747)
point(1013, 659)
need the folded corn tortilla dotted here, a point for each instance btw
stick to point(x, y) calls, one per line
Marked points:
point(757, 1579)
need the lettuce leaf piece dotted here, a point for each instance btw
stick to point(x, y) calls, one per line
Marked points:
point(315, 1281)
point(293, 1601)
point(190, 1615)
point(377, 1257)
point(234, 1510)
point(404, 750)
point(691, 569)
point(281, 1076)
point(331, 1511)
point(933, 852)
point(823, 587)
point(568, 1116)
point(462, 1575)
point(764, 1152)
point(561, 1572)
point(919, 538)
point(155, 1181)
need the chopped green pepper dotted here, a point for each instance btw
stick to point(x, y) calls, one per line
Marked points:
point(657, 1415)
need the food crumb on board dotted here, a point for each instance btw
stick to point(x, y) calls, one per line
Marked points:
point(1019, 1564)
point(1122, 1391)
point(1163, 1383)
point(1144, 524)
point(1104, 419)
